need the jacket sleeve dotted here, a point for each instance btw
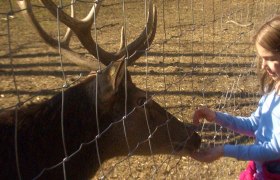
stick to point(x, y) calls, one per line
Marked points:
point(256, 152)
point(242, 125)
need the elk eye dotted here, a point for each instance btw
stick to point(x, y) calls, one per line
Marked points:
point(141, 101)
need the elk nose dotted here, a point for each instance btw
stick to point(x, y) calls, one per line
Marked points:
point(195, 141)
point(193, 127)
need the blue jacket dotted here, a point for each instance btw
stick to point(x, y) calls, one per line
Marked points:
point(263, 125)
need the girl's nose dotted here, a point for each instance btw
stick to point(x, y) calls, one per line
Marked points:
point(263, 64)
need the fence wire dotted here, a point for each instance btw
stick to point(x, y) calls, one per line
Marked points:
point(202, 55)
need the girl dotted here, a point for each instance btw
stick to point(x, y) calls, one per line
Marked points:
point(264, 123)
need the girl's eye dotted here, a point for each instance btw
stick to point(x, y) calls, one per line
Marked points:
point(271, 60)
point(141, 101)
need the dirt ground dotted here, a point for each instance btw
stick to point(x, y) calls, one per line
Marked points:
point(198, 57)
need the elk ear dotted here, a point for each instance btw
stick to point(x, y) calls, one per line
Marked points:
point(111, 78)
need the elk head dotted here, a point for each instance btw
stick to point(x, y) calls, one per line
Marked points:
point(147, 128)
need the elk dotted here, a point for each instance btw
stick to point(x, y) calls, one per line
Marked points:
point(96, 125)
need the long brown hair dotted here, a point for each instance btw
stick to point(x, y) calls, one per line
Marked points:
point(268, 36)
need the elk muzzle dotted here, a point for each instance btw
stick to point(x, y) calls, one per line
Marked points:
point(189, 145)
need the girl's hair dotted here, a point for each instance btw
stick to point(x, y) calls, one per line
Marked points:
point(268, 36)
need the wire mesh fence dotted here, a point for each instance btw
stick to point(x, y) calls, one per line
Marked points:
point(201, 55)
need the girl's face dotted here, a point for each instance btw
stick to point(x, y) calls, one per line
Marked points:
point(270, 62)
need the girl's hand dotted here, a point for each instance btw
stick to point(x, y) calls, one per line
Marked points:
point(208, 155)
point(204, 113)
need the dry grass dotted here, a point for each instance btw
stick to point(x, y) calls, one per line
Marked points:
point(196, 58)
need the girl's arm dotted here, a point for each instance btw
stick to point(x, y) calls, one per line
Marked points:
point(265, 152)
point(242, 125)
point(257, 152)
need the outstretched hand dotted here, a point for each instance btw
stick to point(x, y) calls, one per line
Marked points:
point(211, 154)
point(208, 155)
point(204, 113)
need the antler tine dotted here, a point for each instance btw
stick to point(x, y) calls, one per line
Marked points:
point(122, 43)
point(150, 37)
point(74, 24)
point(69, 32)
point(69, 21)
point(136, 48)
point(65, 51)
point(82, 28)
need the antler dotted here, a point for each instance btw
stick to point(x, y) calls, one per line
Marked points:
point(82, 28)
point(76, 58)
